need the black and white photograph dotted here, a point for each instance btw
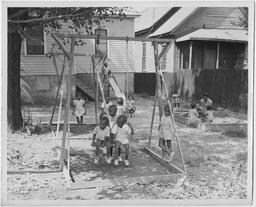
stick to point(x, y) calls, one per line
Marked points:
point(116, 103)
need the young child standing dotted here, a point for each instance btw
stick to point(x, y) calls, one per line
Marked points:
point(166, 133)
point(79, 109)
point(121, 109)
point(193, 116)
point(130, 106)
point(112, 117)
point(122, 132)
point(100, 136)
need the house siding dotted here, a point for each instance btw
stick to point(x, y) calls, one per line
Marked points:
point(211, 17)
point(121, 54)
point(150, 60)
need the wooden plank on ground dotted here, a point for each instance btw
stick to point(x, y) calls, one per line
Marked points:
point(33, 172)
point(167, 178)
point(162, 161)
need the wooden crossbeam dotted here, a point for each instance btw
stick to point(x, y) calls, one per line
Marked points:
point(139, 39)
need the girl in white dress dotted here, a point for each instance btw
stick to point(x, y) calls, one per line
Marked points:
point(79, 109)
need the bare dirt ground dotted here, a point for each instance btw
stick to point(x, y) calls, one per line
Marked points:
point(215, 162)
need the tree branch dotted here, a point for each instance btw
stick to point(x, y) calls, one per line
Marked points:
point(21, 12)
point(46, 19)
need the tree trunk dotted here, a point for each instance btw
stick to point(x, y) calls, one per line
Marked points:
point(14, 107)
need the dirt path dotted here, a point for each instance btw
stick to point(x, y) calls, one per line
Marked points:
point(210, 159)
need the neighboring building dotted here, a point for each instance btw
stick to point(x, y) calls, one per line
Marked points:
point(205, 38)
point(39, 72)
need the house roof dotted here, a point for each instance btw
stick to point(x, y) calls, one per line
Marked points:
point(149, 16)
point(216, 35)
point(154, 20)
point(175, 21)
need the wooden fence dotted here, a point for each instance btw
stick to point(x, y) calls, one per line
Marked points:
point(225, 87)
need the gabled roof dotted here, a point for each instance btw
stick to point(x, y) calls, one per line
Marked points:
point(149, 16)
point(153, 18)
point(216, 35)
point(173, 23)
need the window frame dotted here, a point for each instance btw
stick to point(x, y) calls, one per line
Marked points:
point(144, 56)
point(45, 45)
point(107, 42)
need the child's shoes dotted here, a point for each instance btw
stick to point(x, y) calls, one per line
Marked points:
point(126, 163)
point(116, 162)
point(109, 160)
point(96, 161)
point(120, 159)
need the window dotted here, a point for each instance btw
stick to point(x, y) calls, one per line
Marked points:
point(163, 62)
point(184, 55)
point(230, 54)
point(144, 49)
point(35, 40)
point(101, 46)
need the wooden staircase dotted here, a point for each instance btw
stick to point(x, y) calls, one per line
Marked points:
point(85, 82)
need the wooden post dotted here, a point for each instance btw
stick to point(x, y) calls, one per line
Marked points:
point(63, 143)
point(153, 114)
point(67, 115)
point(218, 55)
point(95, 87)
point(70, 74)
point(58, 123)
point(190, 55)
point(173, 122)
point(158, 80)
point(59, 85)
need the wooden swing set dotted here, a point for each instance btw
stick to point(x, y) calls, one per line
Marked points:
point(161, 89)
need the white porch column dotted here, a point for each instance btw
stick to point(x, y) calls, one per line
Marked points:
point(190, 55)
point(218, 55)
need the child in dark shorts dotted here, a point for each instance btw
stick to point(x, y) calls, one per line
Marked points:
point(100, 136)
point(122, 132)
point(112, 117)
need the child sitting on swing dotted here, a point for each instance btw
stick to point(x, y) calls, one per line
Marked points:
point(166, 133)
point(100, 136)
point(122, 132)
point(112, 117)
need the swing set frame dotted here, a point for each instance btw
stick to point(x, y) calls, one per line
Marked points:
point(161, 88)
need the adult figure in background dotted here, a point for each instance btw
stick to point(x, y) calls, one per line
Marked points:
point(205, 101)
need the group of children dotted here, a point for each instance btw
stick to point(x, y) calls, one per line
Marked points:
point(113, 132)
point(202, 113)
